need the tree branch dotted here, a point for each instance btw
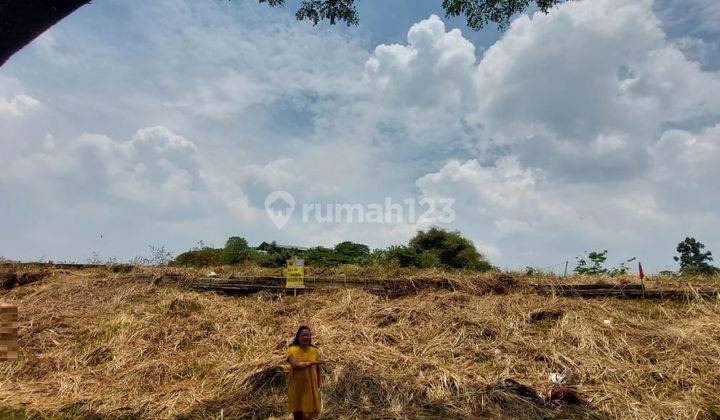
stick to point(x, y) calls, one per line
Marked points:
point(21, 21)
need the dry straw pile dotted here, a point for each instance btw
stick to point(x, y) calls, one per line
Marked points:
point(95, 342)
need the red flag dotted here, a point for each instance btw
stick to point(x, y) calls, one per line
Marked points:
point(640, 270)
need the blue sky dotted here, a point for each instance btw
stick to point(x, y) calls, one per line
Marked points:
point(596, 126)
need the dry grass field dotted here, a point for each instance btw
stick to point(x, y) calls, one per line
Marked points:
point(94, 343)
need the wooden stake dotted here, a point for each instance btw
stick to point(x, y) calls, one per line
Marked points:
point(8, 332)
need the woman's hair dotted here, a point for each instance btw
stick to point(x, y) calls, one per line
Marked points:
point(296, 341)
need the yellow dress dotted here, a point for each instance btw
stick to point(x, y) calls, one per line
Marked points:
point(303, 389)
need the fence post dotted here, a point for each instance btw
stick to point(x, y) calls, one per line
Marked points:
point(8, 332)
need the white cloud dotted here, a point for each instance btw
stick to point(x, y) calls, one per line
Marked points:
point(686, 166)
point(583, 91)
point(17, 105)
point(424, 88)
point(156, 169)
point(435, 66)
point(581, 97)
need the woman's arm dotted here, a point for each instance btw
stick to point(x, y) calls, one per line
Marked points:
point(299, 365)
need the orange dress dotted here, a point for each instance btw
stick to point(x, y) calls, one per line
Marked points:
point(303, 389)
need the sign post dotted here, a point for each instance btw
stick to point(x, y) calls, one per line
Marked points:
point(295, 275)
point(8, 332)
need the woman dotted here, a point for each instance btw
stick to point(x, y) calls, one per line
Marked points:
point(304, 381)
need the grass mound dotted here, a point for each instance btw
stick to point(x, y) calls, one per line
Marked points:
point(102, 344)
point(10, 277)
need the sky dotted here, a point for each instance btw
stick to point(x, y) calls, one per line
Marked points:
point(167, 123)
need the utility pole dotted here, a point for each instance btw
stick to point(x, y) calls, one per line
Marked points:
point(565, 273)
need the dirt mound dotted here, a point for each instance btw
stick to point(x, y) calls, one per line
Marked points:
point(10, 278)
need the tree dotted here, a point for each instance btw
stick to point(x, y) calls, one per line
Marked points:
point(597, 259)
point(479, 13)
point(692, 259)
point(352, 250)
point(596, 268)
point(236, 251)
point(449, 248)
point(344, 253)
point(21, 21)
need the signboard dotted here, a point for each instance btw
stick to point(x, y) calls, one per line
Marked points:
point(295, 274)
point(8, 332)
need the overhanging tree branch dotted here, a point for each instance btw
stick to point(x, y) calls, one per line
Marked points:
point(21, 21)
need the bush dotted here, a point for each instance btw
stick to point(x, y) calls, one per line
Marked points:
point(472, 260)
point(272, 256)
point(450, 250)
point(269, 260)
point(200, 257)
point(404, 256)
point(434, 248)
point(427, 259)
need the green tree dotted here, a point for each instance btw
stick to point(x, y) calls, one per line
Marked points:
point(450, 249)
point(343, 253)
point(236, 251)
point(594, 266)
point(21, 21)
point(352, 250)
point(692, 258)
point(479, 13)
point(321, 256)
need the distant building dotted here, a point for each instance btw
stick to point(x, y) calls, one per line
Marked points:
point(265, 247)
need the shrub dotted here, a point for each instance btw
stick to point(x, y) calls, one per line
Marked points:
point(199, 257)
point(158, 256)
point(270, 260)
point(427, 259)
point(404, 256)
point(271, 255)
point(450, 249)
point(471, 259)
